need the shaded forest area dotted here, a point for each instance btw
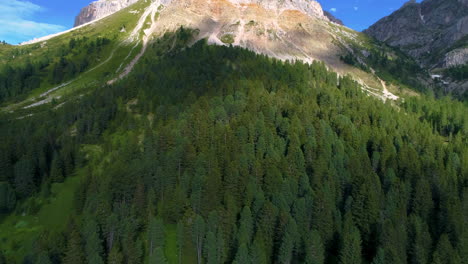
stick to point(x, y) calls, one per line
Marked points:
point(240, 158)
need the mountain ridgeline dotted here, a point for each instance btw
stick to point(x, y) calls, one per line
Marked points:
point(100, 9)
point(434, 32)
point(221, 137)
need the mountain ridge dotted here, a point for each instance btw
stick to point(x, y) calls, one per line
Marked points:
point(426, 31)
point(99, 9)
point(102, 8)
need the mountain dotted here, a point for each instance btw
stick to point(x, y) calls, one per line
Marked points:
point(286, 30)
point(226, 132)
point(332, 18)
point(434, 32)
point(100, 9)
point(429, 31)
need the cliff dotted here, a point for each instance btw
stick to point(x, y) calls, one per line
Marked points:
point(101, 8)
point(432, 31)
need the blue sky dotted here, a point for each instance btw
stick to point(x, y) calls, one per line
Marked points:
point(22, 20)
point(360, 14)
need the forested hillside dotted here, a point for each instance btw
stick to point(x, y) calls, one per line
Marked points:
point(214, 154)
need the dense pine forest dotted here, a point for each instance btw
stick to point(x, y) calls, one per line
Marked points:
point(215, 154)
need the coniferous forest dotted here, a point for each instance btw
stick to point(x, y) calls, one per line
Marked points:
point(215, 154)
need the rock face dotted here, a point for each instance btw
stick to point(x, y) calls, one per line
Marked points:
point(283, 29)
point(310, 7)
point(431, 31)
point(101, 8)
point(332, 18)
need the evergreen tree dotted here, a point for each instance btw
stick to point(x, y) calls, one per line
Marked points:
point(7, 197)
point(246, 226)
point(74, 252)
point(288, 242)
point(43, 258)
point(379, 257)
point(350, 252)
point(242, 255)
point(198, 235)
point(158, 257)
point(24, 177)
point(115, 256)
point(314, 248)
point(180, 240)
point(211, 252)
point(155, 234)
point(93, 243)
point(421, 241)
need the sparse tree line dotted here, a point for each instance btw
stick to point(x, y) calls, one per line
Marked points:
point(17, 80)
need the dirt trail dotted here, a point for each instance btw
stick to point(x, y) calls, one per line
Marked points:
point(128, 56)
point(386, 93)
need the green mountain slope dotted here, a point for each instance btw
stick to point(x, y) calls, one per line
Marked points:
point(165, 149)
point(251, 158)
point(71, 64)
point(77, 60)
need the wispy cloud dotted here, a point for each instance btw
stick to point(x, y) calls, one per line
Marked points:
point(17, 24)
point(333, 9)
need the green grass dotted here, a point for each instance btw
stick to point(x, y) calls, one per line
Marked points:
point(108, 27)
point(171, 251)
point(228, 39)
point(18, 230)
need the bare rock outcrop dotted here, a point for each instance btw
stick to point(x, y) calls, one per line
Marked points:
point(427, 31)
point(101, 8)
point(332, 18)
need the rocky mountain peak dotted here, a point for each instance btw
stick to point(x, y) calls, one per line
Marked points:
point(310, 7)
point(332, 18)
point(100, 9)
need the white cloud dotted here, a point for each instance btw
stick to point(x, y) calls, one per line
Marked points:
point(333, 9)
point(16, 23)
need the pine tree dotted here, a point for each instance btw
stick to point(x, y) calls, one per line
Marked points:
point(379, 257)
point(198, 234)
point(158, 257)
point(350, 252)
point(56, 171)
point(7, 197)
point(258, 253)
point(93, 245)
point(211, 253)
point(74, 253)
point(115, 256)
point(246, 227)
point(315, 251)
point(155, 234)
point(420, 241)
point(24, 177)
point(445, 253)
point(288, 242)
point(180, 240)
point(43, 258)
point(242, 255)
